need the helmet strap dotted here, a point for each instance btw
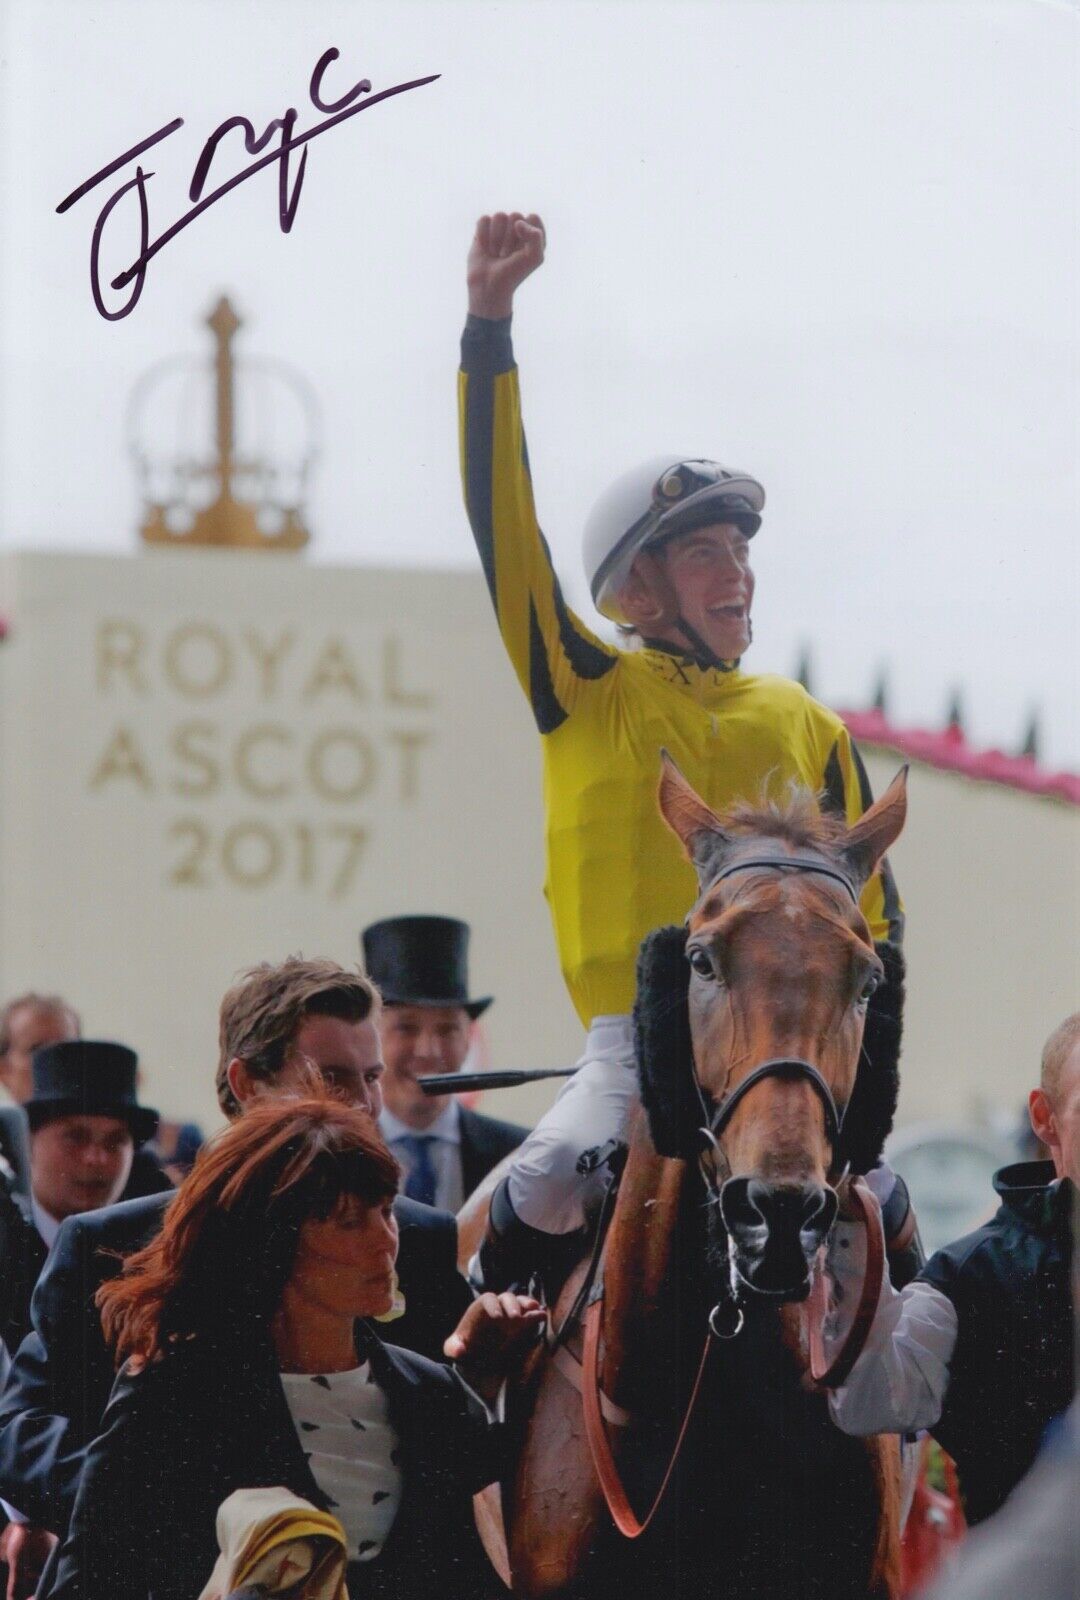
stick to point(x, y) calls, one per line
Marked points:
point(668, 615)
point(698, 648)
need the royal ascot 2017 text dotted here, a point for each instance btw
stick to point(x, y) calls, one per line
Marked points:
point(311, 737)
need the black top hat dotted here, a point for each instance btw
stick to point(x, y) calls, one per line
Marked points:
point(88, 1078)
point(421, 961)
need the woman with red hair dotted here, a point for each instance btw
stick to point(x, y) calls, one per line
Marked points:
point(248, 1364)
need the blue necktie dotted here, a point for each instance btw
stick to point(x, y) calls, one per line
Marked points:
point(420, 1184)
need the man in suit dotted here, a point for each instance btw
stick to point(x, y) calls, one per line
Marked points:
point(26, 1023)
point(278, 1025)
point(85, 1125)
point(420, 965)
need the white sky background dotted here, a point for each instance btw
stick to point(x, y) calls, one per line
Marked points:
point(833, 243)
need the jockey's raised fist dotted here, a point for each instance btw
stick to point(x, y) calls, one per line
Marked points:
point(506, 248)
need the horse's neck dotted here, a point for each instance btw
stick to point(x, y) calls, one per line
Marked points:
point(646, 1269)
point(656, 1299)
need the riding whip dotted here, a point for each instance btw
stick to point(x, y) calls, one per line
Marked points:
point(456, 1082)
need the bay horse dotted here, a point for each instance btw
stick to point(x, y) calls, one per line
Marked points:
point(750, 1024)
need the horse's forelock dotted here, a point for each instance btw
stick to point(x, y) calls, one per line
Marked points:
point(798, 819)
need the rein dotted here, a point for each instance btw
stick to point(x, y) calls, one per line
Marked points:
point(831, 1375)
point(824, 1373)
point(615, 1496)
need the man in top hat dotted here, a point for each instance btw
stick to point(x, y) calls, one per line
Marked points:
point(421, 967)
point(85, 1126)
point(28, 1023)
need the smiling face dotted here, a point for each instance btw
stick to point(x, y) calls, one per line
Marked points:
point(344, 1267)
point(80, 1163)
point(709, 570)
point(418, 1041)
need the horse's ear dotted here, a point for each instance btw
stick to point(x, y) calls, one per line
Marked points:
point(697, 827)
point(877, 830)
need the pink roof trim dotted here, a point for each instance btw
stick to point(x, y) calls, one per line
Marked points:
point(949, 751)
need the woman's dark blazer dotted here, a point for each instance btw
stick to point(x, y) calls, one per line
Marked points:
point(178, 1438)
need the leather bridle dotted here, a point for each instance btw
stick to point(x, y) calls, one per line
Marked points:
point(718, 1117)
point(825, 1374)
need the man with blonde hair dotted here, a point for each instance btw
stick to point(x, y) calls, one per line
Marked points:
point(979, 1349)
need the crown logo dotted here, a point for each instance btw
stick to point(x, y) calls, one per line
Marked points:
point(223, 450)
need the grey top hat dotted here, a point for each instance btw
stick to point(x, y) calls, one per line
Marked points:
point(88, 1078)
point(421, 961)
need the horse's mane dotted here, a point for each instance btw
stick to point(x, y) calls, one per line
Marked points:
point(799, 819)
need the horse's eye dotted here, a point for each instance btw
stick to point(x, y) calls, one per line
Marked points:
point(870, 983)
point(700, 962)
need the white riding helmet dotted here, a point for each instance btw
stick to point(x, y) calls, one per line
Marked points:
point(652, 502)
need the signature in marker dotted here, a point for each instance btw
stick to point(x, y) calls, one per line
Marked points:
point(289, 185)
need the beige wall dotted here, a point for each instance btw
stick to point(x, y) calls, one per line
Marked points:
point(991, 885)
point(209, 759)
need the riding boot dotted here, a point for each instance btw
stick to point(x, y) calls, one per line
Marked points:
point(516, 1256)
point(903, 1247)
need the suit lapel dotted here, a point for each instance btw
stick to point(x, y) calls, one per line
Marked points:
point(263, 1413)
point(473, 1164)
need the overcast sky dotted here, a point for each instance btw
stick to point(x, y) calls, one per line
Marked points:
point(833, 243)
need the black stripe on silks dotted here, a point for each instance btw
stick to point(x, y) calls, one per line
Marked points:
point(891, 903)
point(889, 893)
point(548, 712)
point(486, 346)
point(835, 798)
point(866, 793)
point(586, 659)
point(479, 435)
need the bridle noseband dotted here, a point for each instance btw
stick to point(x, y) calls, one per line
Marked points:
point(720, 1115)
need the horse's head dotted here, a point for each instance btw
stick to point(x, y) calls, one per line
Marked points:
point(782, 967)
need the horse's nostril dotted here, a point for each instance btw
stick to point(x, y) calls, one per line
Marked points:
point(819, 1211)
point(761, 1216)
point(743, 1217)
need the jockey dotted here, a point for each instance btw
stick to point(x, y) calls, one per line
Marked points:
point(667, 550)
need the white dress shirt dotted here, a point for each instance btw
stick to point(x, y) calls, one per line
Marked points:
point(46, 1225)
point(445, 1151)
point(898, 1383)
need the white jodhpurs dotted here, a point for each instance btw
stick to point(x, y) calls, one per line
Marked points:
point(544, 1185)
